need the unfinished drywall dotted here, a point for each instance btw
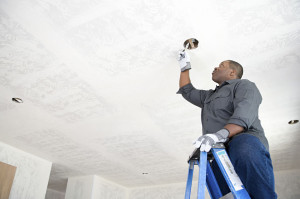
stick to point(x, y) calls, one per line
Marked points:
point(174, 191)
point(32, 174)
point(107, 190)
point(94, 187)
point(80, 187)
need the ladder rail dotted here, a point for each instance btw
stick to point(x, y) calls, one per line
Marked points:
point(232, 179)
point(202, 175)
point(190, 179)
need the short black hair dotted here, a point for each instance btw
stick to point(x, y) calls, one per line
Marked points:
point(237, 67)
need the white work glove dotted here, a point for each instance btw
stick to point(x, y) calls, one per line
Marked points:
point(184, 60)
point(205, 142)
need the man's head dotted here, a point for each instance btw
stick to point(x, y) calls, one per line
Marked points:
point(227, 70)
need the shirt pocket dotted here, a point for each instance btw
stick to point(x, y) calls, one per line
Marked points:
point(221, 100)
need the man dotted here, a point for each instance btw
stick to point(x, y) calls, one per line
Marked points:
point(230, 116)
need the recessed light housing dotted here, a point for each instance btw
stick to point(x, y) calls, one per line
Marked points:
point(293, 121)
point(17, 100)
point(193, 43)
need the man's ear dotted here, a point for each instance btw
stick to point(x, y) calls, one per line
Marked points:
point(233, 73)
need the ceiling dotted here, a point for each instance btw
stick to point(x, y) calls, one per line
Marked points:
point(99, 80)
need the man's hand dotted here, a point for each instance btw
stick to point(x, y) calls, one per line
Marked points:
point(205, 142)
point(184, 60)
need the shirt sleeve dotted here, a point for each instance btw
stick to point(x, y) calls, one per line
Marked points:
point(193, 95)
point(246, 103)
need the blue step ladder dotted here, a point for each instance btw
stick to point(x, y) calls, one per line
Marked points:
point(206, 175)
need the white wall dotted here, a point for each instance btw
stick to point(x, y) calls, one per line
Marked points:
point(32, 174)
point(170, 191)
point(94, 187)
point(80, 187)
point(52, 194)
point(104, 189)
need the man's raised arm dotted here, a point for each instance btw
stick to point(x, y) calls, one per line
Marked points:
point(184, 78)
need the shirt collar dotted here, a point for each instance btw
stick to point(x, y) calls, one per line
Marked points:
point(231, 81)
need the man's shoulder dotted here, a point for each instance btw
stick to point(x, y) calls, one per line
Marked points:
point(246, 81)
point(241, 82)
point(245, 84)
point(233, 81)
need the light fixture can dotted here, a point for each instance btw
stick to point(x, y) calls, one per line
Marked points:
point(293, 121)
point(191, 43)
point(17, 100)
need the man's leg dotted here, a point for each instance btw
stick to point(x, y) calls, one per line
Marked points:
point(253, 165)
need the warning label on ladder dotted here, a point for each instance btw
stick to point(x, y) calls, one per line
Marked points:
point(234, 178)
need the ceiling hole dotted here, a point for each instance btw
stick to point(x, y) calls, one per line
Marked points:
point(17, 100)
point(193, 43)
point(293, 121)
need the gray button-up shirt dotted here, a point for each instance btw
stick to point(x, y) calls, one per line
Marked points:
point(234, 102)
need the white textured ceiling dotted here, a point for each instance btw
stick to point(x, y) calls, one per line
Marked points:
point(98, 79)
